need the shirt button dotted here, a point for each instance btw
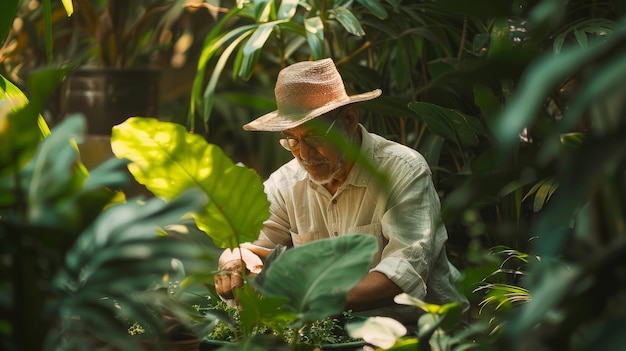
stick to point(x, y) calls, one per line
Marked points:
point(334, 201)
point(335, 234)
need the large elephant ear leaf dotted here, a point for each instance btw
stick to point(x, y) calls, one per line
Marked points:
point(317, 276)
point(167, 160)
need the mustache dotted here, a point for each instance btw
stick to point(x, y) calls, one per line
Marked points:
point(314, 162)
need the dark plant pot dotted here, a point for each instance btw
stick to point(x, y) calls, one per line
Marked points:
point(108, 96)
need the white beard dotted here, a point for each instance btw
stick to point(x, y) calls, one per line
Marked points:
point(331, 175)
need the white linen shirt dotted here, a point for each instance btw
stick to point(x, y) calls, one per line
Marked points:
point(404, 219)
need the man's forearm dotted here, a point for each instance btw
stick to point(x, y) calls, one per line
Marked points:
point(373, 291)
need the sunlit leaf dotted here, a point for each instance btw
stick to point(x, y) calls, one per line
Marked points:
point(21, 126)
point(168, 160)
point(379, 331)
point(209, 92)
point(315, 36)
point(213, 42)
point(287, 9)
point(263, 10)
point(69, 7)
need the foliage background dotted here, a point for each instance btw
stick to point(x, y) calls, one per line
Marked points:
point(517, 105)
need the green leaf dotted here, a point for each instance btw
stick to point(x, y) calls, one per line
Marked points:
point(489, 104)
point(500, 41)
point(259, 37)
point(209, 92)
point(315, 36)
point(453, 125)
point(8, 11)
point(263, 10)
point(287, 9)
point(69, 7)
point(541, 78)
point(21, 126)
point(168, 160)
point(375, 7)
point(257, 310)
point(212, 44)
point(316, 291)
point(55, 175)
point(349, 22)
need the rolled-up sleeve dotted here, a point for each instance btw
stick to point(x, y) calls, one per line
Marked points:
point(410, 226)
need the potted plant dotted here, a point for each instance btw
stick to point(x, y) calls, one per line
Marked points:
point(118, 45)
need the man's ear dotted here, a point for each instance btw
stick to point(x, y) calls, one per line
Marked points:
point(351, 116)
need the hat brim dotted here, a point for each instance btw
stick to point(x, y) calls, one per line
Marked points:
point(273, 122)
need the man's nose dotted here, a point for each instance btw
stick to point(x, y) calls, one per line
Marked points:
point(306, 151)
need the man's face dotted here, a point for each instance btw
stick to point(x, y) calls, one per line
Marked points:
point(310, 145)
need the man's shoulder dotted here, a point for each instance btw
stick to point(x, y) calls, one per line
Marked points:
point(387, 150)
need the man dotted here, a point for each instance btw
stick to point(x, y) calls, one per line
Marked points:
point(327, 191)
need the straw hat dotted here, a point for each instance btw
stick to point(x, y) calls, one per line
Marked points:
point(306, 90)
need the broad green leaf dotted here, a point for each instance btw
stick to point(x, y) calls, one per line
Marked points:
point(318, 290)
point(349, 22)
point(168, 160)
point(55, 174)
point(450, 124)
point(126, 223)
point(375, 7)
point(257, 310)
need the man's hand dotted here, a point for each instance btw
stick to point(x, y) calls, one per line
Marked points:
point(229, 278)
point(230, 275)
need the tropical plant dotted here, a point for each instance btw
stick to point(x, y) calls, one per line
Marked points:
point(288, 291)
point(71, 257)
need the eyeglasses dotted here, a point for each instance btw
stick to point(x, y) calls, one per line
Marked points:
point(313, 140)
